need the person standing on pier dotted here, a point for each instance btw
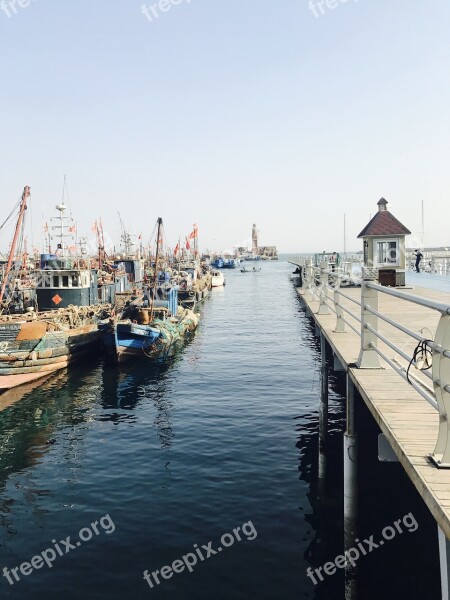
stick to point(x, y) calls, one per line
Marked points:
point(419, 257)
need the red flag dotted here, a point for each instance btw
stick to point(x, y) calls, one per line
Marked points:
point(73, 229)
point(188, 246)
point(177, 249)
point(194, 233)
point(140, 236)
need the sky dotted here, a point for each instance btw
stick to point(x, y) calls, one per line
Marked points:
point(225, 113)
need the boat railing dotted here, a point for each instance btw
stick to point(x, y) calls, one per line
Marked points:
point(430, 355)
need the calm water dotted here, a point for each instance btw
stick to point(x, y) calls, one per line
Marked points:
point(179, 454)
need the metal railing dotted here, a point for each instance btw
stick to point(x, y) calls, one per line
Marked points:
point(431, 377)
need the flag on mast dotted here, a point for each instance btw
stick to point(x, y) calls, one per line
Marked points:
point(194, 234)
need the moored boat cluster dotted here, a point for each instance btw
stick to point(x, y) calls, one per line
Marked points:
point(64, 304)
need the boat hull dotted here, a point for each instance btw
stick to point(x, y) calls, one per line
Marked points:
point(28, 351)
point(127, 341)
point(124, 341)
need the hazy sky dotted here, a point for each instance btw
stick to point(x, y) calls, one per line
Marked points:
point(229, 112)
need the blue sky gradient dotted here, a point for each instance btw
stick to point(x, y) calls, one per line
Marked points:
point(226, 112)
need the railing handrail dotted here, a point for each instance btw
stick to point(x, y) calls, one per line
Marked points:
point(428, 303)
point(319, 281)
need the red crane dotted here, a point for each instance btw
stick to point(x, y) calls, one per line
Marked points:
point(23, 207)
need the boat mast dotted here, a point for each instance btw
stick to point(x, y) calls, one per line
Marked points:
point(345, 237)
point(155, 276)
point(423, 228)
point(23, 207)
point(100, 244)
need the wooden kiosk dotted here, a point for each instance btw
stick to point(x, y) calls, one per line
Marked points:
point(384, 246)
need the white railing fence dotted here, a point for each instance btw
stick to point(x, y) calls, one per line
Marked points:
point(431, 358)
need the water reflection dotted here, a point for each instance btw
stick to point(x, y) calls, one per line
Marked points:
point(26, 426)
point(322, 469)
point(59, 413)
point(126, 388)
point(31, 415)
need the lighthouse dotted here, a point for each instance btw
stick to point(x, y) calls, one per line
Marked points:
point(254, 240)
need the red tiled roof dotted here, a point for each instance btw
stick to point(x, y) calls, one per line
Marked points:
point(384, 223)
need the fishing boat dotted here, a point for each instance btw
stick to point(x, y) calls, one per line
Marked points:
point(150, 325)
point(191, 275)
point(63, 327)
point(217, 278)
point(225, 263)
point(230, 263)
point(146, 332)
point(193, 284)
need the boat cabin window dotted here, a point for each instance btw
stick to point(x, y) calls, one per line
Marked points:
point(55, 280)
point(65, 281)
point(75, 280)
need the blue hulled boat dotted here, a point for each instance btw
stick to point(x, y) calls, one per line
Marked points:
point(148, 326)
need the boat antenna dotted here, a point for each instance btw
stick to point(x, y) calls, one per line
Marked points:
point(155, 276)
point(423, 228)
point(345, 236)
point(23, 207)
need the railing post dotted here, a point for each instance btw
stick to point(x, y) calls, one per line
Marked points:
point(350, 489)
point(340, 323)
point(308, 279)
point(368, 358)
point(324, 309)
point(305, 275)
point(441, 380)
point(323, 407)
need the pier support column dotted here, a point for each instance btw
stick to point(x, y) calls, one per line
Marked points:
point(323, 408)
point(350, 491)
point(444, 561)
